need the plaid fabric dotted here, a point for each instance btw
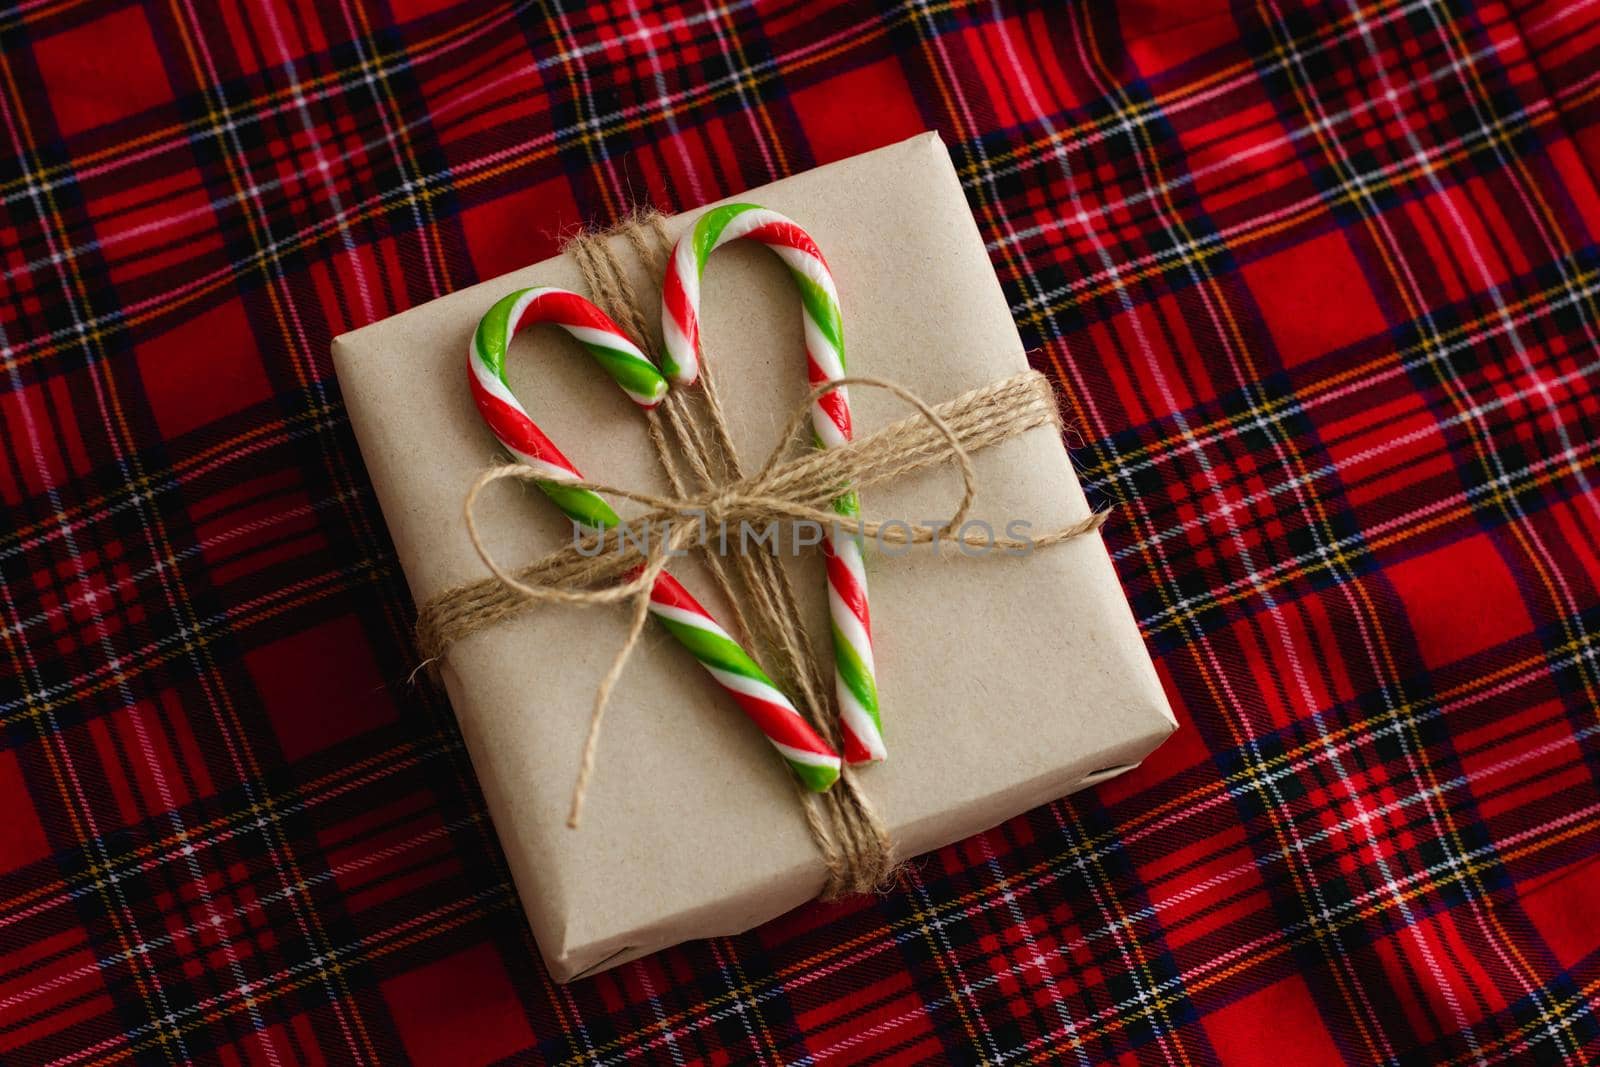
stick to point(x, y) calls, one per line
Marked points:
point(1323, 286)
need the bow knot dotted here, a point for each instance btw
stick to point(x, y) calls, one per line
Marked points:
point(619, 565)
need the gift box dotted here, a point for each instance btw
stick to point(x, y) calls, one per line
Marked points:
point(1006, 680)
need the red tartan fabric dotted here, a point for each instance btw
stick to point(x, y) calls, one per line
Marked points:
point(1323, 288)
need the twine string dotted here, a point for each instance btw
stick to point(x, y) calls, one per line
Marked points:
point(708, 490)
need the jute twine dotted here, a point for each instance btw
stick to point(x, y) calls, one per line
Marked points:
point(710, 490)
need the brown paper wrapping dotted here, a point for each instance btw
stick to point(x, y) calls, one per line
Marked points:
point(1006, 682)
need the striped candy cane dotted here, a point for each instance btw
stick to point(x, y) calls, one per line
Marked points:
point(854, 673)
point(811, 758)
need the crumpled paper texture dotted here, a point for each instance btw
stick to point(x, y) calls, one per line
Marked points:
point(1006, 682)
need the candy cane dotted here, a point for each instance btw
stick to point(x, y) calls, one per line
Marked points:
point(854, 672)
point(811, 758)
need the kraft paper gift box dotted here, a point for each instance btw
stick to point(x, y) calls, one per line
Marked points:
point(1006, 682)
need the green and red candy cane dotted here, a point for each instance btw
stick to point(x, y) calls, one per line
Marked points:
point(854, 672)
point(811, 758)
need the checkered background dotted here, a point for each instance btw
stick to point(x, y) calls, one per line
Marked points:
point(1322, 286)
